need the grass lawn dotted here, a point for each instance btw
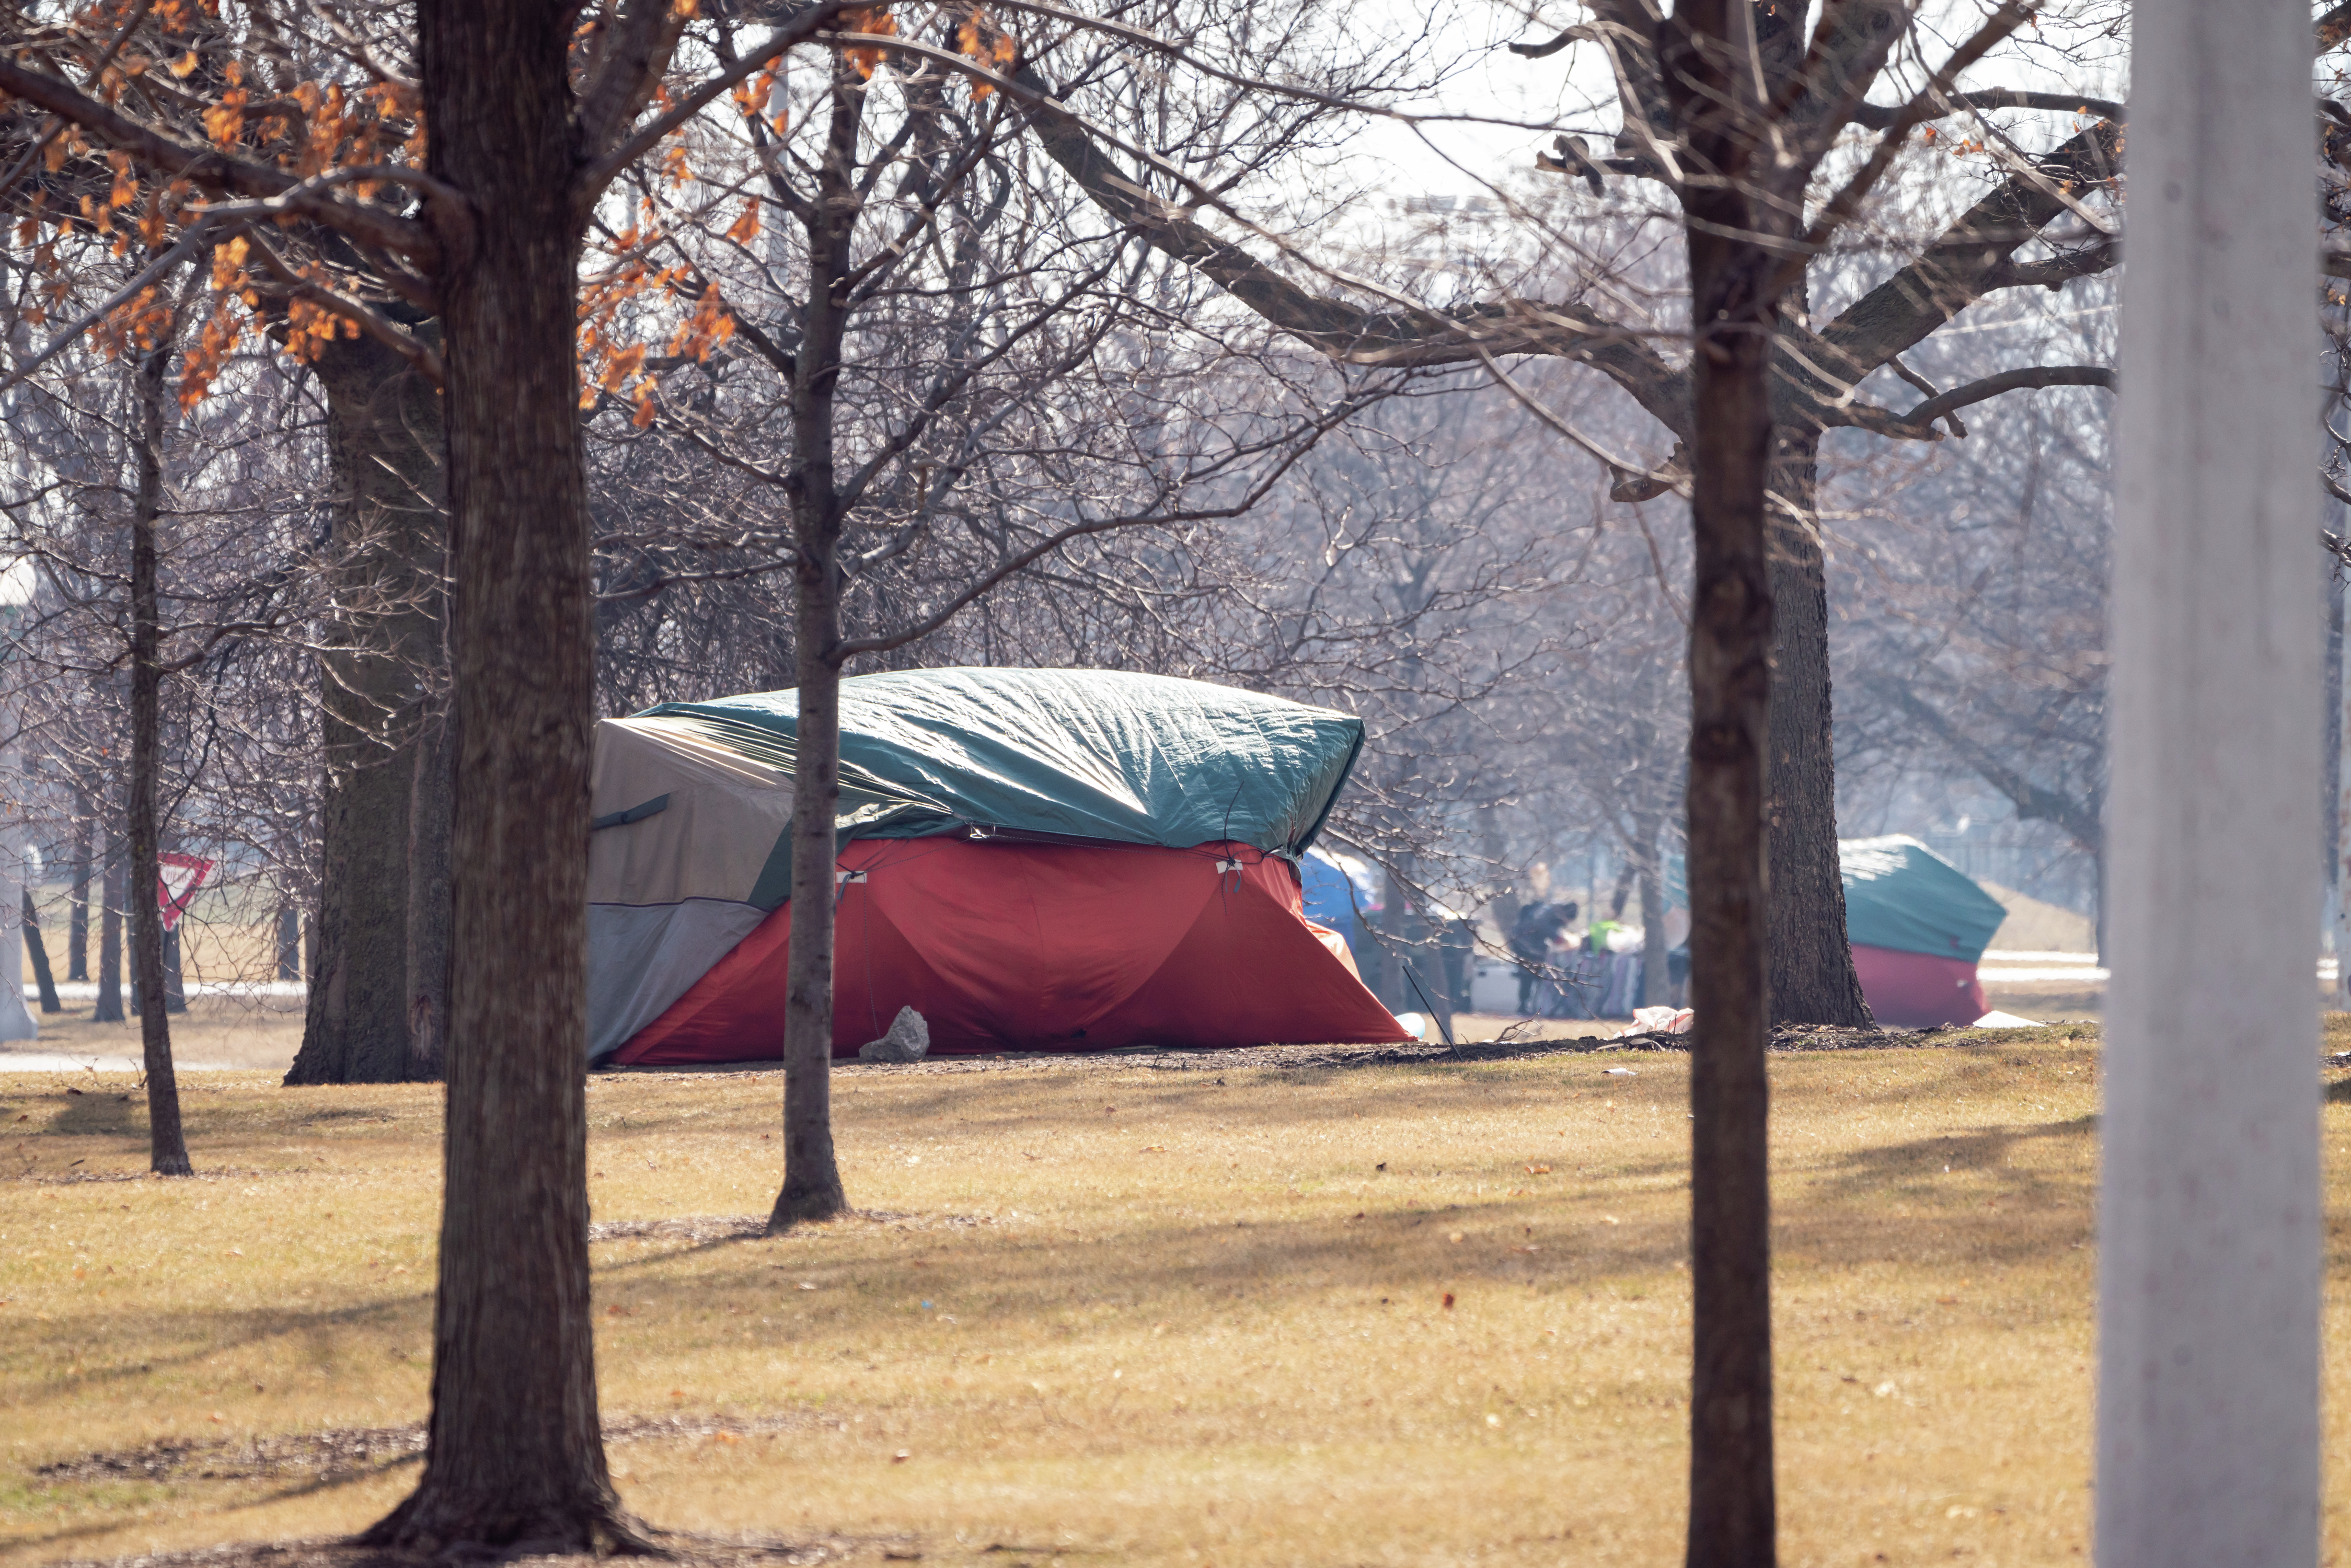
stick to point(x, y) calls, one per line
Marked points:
point(1097, 1312)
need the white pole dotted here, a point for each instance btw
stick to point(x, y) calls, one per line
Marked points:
point(2207, 1394)
point(2339, 893)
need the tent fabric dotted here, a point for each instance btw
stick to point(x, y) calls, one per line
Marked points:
point(1902, 897)
point(1103, 755)
point(1917, 990)
point(689, 860)
point(1031, 946)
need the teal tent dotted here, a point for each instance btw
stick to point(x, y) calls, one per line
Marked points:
point(1097, 754)
point(1917, 924)
point(1902, 897)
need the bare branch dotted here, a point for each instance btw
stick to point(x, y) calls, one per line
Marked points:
point(216, 171)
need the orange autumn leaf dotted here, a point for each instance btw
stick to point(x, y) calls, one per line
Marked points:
point(746, 229)
point(984, 43)
point(872, 20)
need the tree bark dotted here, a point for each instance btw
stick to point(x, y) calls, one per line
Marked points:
point(1504, 906)
point(39, 953)
point(110, 930)
point(382, 884)
point(515, 1457)
point(78, 910)
point(430, 800)
point(1812, 977)
point(168, 1154)
point(812, 1187)
point(1709, 67)
point(175, 987)
point(1654, 985)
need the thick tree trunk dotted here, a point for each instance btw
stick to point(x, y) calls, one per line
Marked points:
point(369, 1018)
point(1813, 977)
point(812, 1187)
point(39, 952)
point(515, 1457)
point(169, 1152)
point(1708, 67)
point(110, 931)
point(78, 910)
point(430, 799)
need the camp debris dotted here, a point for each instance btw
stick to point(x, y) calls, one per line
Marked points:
point(1029, 859)
point(1917, 924)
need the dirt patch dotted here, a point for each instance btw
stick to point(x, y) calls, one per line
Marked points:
point(1294, 1057)
point(1787, 1037)
point(702, 1228)
point(687, 1551)
point(345, 1455)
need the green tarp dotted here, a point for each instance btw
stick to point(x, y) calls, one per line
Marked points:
point(1900, 895)
point(1078, 753)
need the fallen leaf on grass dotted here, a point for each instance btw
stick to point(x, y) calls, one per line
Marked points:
point(1448, 1300)
point(1538, 1170)
point(902, 1456)
point(1454, 1237)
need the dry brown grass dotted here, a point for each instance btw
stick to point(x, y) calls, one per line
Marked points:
point(1121, 1315)
point(257, 1032)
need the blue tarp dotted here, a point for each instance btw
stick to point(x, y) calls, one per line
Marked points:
point(1098, 755)
point(1902, 895)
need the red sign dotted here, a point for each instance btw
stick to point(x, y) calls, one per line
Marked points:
point(177, 879)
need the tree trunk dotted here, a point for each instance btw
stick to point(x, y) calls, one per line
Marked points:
point(1708, 69)
point(169, 1152)
point(1813, 977)
point(39, 953)
point(1504, 906)
point(175, 981)
point(78, 910)
point(1656, 988)
point(110, 931)
point(290, 942)
point(812, 1187)
point(429, 802)
point(382, 731)
point(515, 1457)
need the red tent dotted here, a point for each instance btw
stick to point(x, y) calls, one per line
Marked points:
point(1027, 946)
